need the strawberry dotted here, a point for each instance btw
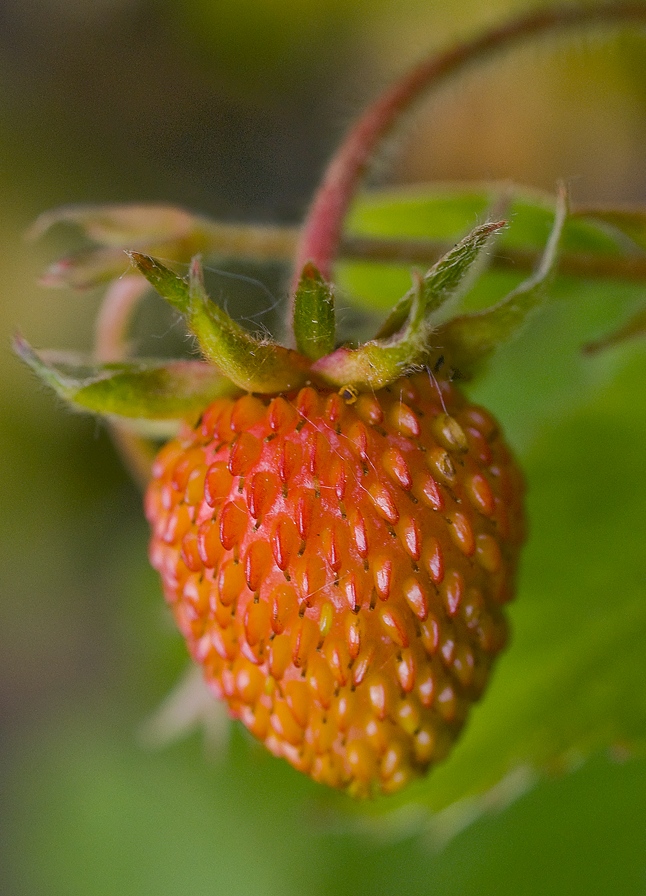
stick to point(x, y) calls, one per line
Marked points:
point(339, 569)
point(337, 527)
point(338, 532)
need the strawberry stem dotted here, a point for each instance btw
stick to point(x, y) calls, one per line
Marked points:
point(321, 232)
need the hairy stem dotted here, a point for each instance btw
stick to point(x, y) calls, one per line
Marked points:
point(321, 232)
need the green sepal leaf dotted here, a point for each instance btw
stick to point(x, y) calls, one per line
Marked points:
point(446, 279)
point(143, 389)
point(256, 365)
point(465, 342)
point(314, 319)
point(378, 363)
point(404, 342)
point(168, 284)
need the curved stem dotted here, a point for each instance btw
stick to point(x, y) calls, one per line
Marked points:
point(115, 316)
point(321, 232)
point(113, 323)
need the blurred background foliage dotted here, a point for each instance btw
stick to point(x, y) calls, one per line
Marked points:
point(231, 107)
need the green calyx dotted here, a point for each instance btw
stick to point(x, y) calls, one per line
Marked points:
point(405, 341)
point(413, 336)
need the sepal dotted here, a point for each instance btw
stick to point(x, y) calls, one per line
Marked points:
point(465, 342)
point(447, 279)
point(143, 389)
point(253, 364)
point(314, 319)
point(404, 342)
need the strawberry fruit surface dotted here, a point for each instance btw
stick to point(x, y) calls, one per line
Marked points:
point(339, 569)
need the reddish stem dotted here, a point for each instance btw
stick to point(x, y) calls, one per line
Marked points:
point(321, 232)
point(115, 316)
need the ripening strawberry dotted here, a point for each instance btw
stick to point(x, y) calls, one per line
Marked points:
point(339, 569)
point(337, 528)
point(338, 533)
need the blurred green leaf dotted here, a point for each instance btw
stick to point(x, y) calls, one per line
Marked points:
point(95, 814)
point(634, 328)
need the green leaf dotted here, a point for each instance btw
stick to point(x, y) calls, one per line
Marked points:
point(256, 365)
point(314, 318)
point(405, 340)
point(468, 340)
point(142, 389)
